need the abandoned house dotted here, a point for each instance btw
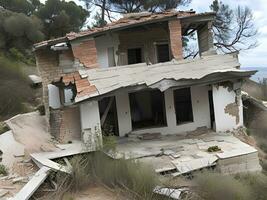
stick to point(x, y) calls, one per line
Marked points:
point(130, 77)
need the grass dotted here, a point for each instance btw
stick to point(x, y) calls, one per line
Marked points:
point(3, 128)
point(211, 186)
point(3, 170)
point(130, 178)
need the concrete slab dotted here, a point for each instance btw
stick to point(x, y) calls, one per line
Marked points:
point(192, 153)
point(27, 191)
point(11, 149)
point(30, 130)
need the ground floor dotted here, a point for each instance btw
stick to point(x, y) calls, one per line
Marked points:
point(174, 111)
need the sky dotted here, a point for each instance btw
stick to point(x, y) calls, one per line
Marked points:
point(249, 58)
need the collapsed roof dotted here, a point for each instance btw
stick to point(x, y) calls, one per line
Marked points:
point(205, 70)
point(129, 20)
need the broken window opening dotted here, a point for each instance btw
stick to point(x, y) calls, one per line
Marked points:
point(183, 106)
point(134, 56)
point(111, 57)
point(163, 52)
point(147, 109)
point(108, 116)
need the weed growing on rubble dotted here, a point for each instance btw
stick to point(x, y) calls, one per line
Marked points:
point(3, 170)
point(131, 178)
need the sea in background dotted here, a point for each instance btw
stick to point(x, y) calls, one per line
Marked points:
point(262, 73)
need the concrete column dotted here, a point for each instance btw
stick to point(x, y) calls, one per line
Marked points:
point(124, 113)
point(90, 125)
point(205, 38)
point(228, 108)
point(170, 109)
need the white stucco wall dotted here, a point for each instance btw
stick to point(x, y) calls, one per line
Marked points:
point(90, 124)
point(201, 112)
point(53, 96)
point(221, 98)
point(102, 45)
point(124, 113)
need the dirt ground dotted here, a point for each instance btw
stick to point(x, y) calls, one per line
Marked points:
point(97, 193)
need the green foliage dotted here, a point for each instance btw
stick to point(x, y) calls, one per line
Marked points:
point(109, 143)
point(21, 6)
point(129, 6)
point(60, 17)
point(233, 29)
point(3, 128)
point(257, 184)
point(14, 89)
point(135, 179)
point(211, 186)
point(214, 149)
point(18, 30)
point(98, 21)
point(3, 170)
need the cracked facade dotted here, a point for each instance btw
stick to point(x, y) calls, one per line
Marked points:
point(130, 77)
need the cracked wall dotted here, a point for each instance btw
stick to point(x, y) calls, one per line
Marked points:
point(228, 108)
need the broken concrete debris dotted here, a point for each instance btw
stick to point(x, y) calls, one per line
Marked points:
point(171, 193)
point(170, 155)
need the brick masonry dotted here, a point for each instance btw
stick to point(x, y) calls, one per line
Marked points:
point(175, 30)
point(60, 122)
point(86, 53)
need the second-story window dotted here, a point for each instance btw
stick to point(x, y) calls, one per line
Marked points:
point(163, 53)
point(134, 56)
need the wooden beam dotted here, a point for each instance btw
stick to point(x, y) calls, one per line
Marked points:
point(104, 116)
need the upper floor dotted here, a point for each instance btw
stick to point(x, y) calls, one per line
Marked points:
point(135, 38)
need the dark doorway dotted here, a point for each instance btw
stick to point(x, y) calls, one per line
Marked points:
point(147, 109)
point(183, 106)
point(134, 56)
point(163, 53)
point(212, 116)
point(108, 116)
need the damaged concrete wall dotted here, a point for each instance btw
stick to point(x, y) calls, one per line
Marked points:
point(205, 38)
point(142, 38)
point(102, 44)
point(201, 112)
point(124, 113)
point(90, 124)
point(228, 108)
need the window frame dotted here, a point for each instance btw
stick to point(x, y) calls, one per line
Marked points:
point(175, 110)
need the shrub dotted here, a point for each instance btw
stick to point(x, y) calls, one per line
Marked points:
point(3, 170)
point(257, 182)
point(214, 149)
point(211, 186)
point(3, 128)
point(14, 89)
point(133, 178)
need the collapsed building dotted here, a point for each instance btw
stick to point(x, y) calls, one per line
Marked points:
point(132, 75)
point(130, 79)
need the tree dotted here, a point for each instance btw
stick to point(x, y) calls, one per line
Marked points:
point(18, 30)
point(21, 6)
point(107, 7)
point(233, 29)
point(60, 17)
point(129, 6)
